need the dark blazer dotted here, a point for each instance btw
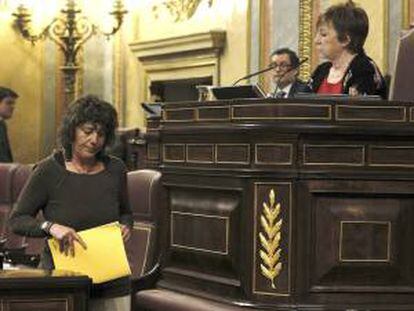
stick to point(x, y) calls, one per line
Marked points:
point(5, 151)
point(362, 73)
point(299, 87)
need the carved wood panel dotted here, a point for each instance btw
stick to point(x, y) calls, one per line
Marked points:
point(360, 238)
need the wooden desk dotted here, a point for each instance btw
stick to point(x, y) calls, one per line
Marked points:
point(34, 290)
point(294, 204)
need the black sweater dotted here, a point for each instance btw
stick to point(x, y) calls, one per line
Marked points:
point(79, 201)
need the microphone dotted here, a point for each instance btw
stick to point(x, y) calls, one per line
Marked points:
point(153, 109)
point(285, 73)
point(255, 74)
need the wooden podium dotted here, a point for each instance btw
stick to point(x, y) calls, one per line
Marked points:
point(293, 204)
point(46, 290)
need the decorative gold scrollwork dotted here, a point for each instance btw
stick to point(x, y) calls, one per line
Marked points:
point(305, 37)
point(180, 9)
point(270, 239)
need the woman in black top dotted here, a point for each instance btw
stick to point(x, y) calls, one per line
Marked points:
point(79, 188)
point(341, 34)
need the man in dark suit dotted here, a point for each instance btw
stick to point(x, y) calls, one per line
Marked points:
point(285, 74)
point(7, 101)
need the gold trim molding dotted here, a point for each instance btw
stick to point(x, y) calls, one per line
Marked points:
point(305, 37)
point(402, 109)
point(148, 230)
point(118, 77)
point(180, 10)
point(358, 147)
point(226, 220)
point(163, 48)
point(388, 246)
point(373, 147)
point(256, 153)
point(406, 7)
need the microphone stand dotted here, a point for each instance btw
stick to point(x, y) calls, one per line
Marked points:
point(254, 74)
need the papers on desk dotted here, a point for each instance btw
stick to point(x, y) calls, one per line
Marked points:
point(104, 259)
point(9, 266)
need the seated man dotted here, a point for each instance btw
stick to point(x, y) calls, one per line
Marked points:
point(284, 74)
point(7, 101)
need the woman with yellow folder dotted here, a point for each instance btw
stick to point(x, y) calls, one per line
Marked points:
point(77, 188)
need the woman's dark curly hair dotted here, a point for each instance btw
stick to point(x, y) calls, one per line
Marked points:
point(92, 109)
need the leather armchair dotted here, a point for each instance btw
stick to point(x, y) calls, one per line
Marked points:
point(32, 245)
point(167, 300)
point(147, 197)
point(7, 171)
point(13, 177)
point(19, 179)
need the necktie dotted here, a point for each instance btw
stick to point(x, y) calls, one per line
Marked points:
point(280, 94)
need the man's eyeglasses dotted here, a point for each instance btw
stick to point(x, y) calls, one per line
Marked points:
point(282, 66)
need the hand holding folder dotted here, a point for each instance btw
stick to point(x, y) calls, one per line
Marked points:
point(66, 236)
point(103, 260)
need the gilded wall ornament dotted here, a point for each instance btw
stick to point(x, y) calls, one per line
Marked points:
point(270, 266)
point(180, 10)
point(305, 37)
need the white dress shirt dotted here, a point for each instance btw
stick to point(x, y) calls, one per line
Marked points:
point(286, 91)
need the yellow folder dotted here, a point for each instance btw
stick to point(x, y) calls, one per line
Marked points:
point(104, 259)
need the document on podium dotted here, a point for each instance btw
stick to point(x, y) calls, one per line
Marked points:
point(104, 259)
point(238, 91)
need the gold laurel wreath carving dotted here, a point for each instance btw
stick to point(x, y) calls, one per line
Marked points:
point(270, 239)
point(180, 9)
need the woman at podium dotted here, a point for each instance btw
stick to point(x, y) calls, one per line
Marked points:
point(340, 38)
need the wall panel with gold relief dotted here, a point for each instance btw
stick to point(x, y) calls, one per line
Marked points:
point(153, 23)
point(34, 72)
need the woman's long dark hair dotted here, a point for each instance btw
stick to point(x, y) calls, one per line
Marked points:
point(92, 109)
